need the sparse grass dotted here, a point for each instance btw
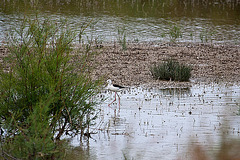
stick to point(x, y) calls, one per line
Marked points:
point(206, 35)
point(174, 33)
point(171, 70)
point(122, 37)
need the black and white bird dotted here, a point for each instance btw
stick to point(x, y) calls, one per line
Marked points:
point(115, 88)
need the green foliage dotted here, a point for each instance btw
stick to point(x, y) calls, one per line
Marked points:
point(206, 35)
point(31, 139)
point(171, 70)
point(174, 33)
point(122, 37)
point(46, 91)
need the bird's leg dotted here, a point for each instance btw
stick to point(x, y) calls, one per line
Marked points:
point(115, 97)
point(119, 100)
point(113, 100)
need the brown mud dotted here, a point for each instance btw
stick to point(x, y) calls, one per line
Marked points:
point(210, 62)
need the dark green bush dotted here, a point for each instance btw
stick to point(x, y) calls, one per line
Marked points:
point(45, 90)
point(171, 70)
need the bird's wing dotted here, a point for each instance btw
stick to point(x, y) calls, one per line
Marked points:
point(115, 85)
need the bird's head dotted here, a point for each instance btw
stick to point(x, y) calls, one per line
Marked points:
point(109, 81)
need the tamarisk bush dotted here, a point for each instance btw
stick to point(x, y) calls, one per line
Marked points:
point(45, 90)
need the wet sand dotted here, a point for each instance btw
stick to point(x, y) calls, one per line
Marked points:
point(210, 62)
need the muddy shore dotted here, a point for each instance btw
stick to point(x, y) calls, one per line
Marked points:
point(210, 62)
point(130, 67)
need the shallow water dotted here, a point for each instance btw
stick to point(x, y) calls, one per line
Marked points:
point(163, 123)
point(199, 21)
point(153, 123)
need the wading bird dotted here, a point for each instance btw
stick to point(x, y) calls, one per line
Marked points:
point(115, 88)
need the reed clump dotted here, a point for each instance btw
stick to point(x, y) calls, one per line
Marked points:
point(175, 32)
point(171, 70)
point(121, 37)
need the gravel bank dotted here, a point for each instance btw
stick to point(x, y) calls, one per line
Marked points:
point(210, 62)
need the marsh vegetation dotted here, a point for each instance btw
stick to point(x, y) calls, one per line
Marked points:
point(162, 21)
point(50, 90)
point(171, 70)
point(46, 91)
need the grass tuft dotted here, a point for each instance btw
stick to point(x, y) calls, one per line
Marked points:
point(121, 37)
point(171, 70)
point(175, 32)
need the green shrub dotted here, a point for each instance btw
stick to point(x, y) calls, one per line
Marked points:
point(171, 70)
point(45, 90)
